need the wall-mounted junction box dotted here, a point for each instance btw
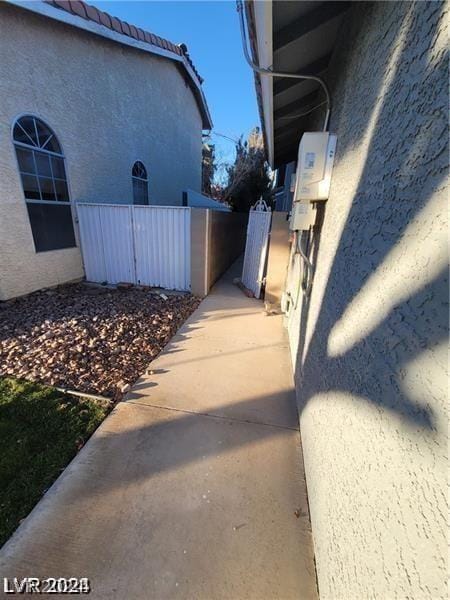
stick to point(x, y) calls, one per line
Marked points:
point(303, 216)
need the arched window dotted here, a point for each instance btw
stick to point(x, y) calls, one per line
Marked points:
point(43, 174)
point(140, 183)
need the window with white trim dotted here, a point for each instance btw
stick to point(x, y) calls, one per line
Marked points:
point(44, 182)
point(140, 183)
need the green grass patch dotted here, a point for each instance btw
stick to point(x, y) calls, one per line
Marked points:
point(41, 430)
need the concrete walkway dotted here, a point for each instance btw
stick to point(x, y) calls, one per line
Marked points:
point(193, 487)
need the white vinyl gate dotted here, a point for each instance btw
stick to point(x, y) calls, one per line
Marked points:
point(147, 245)
point(256, 247)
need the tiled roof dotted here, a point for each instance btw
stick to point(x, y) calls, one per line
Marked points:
point(91, 13)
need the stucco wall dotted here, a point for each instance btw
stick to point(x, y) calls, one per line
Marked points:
point(370, 347)
point(109, 105)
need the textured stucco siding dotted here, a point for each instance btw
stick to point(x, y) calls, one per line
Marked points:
point(109, 105)
point(369, 349)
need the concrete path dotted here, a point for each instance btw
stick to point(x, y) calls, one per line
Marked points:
point(193, 487)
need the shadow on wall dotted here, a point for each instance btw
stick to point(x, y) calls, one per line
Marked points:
point(384, 300)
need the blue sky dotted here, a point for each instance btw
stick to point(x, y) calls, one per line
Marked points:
point(211, 32)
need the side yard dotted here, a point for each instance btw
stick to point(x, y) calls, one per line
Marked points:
point(93, 340)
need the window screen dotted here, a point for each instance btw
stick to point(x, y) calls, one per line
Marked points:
point(43, 175)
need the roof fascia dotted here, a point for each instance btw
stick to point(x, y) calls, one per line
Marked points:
point(262, 15)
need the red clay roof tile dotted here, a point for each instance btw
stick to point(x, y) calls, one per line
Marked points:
point(141, 35)
point(116, 25)
point(77, 8)
point(126, 28)
point(134, 32)
point(92, 13)
point(105, 19)
point(59, 4)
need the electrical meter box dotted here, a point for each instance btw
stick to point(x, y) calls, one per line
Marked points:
point(314, 166)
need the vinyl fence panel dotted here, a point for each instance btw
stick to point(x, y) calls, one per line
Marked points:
point(92, 242)
point(162, 246)
point(107, 242)
point(147, 245)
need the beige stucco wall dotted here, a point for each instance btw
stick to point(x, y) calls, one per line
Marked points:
point(217, 240)
point(109, 105)
point(199, 249)
point(369, 349)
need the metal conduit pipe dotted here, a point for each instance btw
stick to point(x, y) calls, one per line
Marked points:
point(271, 73)
point(307, 280)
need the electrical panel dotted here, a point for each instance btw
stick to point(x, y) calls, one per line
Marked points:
point(314, 166)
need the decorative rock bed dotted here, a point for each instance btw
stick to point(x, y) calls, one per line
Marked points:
point(91, 339)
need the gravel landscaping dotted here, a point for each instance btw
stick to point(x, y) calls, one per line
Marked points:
point(91, 339)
